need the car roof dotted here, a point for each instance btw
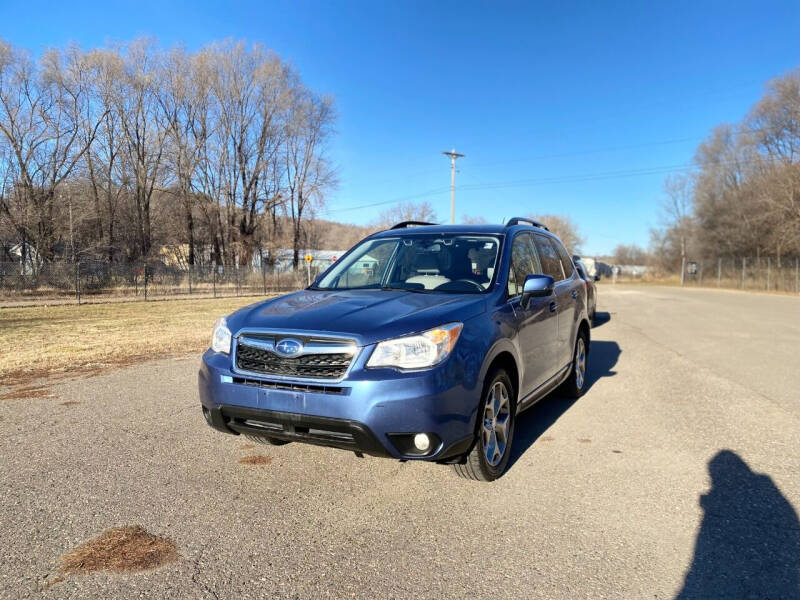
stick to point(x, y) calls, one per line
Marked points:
point(482, 229)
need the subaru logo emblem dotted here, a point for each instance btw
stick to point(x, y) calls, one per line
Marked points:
point(289, 347)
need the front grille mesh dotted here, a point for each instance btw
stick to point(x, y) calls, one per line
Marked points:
point(318, 366)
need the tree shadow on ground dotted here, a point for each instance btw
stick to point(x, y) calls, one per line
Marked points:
point(748, 545)
point(532, 423)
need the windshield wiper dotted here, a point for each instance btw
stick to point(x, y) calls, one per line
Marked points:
point(389, 288)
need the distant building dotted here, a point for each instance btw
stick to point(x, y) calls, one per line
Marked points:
point(283, 259)
point(14, 253)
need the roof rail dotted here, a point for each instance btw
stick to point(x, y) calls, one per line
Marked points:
point(518, 220)
point(407, 224)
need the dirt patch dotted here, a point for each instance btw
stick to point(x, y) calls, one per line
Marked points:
point(26, 392)
point(547, 438)
point(125, 549)
point(585, 441)
point(247, 446)
point(69, 403)
point(255, 459)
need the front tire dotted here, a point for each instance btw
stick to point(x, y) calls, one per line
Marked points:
point(489, 456)
point(575, 385)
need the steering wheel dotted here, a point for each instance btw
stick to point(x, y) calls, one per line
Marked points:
point(449, 285)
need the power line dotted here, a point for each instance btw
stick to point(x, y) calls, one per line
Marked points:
point(572, 178)
point(385, 202)
point(595, 151)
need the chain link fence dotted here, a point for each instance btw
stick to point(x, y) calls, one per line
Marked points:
point(87, 281)
point(764, 274)
point(745, 273)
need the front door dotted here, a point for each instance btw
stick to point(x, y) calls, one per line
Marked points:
point(537, 324)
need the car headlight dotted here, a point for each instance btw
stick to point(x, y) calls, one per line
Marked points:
point(221, 337)
point(418, 351)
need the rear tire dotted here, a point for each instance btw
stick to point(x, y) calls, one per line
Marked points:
point(575, 385)
point(260, 439)
point(489, 456)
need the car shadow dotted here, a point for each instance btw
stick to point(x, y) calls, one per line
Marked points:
point(532, 423)
point(748, 545)
point(601, 318)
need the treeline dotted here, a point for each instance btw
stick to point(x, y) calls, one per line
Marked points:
point(743, 198)
point(115, 153)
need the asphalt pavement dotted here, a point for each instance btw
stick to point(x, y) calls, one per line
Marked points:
point(675, 476)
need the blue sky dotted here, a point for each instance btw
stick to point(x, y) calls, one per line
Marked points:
point(558, 106)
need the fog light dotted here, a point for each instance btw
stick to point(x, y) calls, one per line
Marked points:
point(422, 442)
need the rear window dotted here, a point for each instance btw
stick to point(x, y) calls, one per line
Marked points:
point(566, 261)
point(548, 255)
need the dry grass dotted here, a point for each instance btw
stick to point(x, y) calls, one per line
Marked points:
point(119, 550)
point(255, 460)
point(69, 403)
point(247, 446)
point(72, 341)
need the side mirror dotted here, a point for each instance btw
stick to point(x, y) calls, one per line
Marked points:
point(597, 277)
point(536, 286)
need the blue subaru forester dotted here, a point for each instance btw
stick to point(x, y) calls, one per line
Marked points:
point(423, 342)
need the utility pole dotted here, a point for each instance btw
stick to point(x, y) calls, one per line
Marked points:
point(453, 156)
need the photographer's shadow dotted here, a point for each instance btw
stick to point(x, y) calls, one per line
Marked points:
point(532, 423)
point(748, 545)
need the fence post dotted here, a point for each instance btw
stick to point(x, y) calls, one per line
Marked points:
point(78, 281)
point(796, 280)
point(214, 278)
point(744, 261)
point(190, 280)
point(719, 271)
point(263, 274)
point(769, 269)
point(145, 282)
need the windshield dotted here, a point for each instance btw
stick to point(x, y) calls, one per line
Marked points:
point(462, 264)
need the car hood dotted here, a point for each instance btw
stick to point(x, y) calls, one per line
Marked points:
point(367, 316)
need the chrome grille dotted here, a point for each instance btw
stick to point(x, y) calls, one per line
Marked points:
point(319, 359)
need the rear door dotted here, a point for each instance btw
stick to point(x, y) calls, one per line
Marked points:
point(537, 325)
point(562, 302)
point(569, 313)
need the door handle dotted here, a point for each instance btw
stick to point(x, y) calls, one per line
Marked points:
point(552, 307)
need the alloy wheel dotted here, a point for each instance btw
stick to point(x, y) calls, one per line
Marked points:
point(496, 421)
point(580, 363)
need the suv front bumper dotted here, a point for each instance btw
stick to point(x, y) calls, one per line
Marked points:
point(373, 414)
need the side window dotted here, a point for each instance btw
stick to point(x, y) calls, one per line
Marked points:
point(566, 261)
point(551, 263)
point(523, 263)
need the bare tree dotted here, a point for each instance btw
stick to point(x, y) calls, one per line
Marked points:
point(565, 228)
point(407, 211)
point(677, 211)
point(222, 149)
point(308, 172)
point(629, 254)
point(251, 89)
point(41, 112)
point(143, 134)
